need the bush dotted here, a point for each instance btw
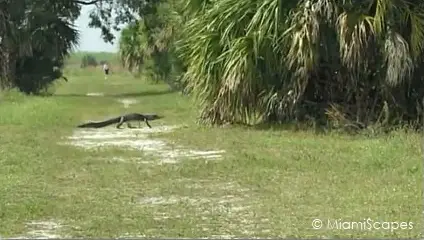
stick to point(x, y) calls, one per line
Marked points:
point(36, 73)
point(88, 60)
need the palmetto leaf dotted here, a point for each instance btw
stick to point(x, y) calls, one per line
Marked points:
point(397, 57)
point(355, 31)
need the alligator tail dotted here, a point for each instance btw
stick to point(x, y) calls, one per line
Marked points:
point(100, 124)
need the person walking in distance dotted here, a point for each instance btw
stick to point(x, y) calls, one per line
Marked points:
point(106, 69)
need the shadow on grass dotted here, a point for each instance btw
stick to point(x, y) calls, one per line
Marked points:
point(290, 127)
point(141, 94)
point(319, 130)
point(129, 94)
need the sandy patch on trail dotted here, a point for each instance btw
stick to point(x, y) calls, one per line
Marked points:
point(237, 211)
point(95, 94)
point(127, 102)
point(118, 83)
point(41, 230)
point(192, 201)
point(132, 236)
point(139, 139)
point(202, 184)
point(216, 203)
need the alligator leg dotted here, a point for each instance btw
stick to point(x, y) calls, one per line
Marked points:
point(145, 120)
point(121, 121)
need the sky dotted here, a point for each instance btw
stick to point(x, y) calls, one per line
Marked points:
point(90, 38)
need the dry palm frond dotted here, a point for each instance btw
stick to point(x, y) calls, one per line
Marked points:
point(327, 9)
point(384, 115)
point(304, 32)
point(399, 63)
point(336, 116)
point(355, 31)
point(303, 52)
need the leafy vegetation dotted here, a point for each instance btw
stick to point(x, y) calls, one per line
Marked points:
point(346, 64)
point(342, 64)
point(89, 61)
point(36, 37)
point(349, 64)
point(147, 46)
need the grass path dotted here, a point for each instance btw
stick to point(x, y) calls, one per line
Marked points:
point(266, 183)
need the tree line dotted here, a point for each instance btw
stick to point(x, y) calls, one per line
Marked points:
point(338, 63)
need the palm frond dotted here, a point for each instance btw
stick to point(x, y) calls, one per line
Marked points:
point(355, 32)
point(381, 13)
point(398, 60)
point(416, 18)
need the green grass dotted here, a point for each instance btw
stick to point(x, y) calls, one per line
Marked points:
point(270, 182)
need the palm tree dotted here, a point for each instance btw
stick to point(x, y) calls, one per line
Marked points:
point(234, 52)
point(262, 60)
point(379, 43)
point(132, 45)
point(148, 43)
point(37, 36)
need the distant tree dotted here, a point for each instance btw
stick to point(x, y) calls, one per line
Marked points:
point(147, 44)
point(132, 46)
point(88, 60)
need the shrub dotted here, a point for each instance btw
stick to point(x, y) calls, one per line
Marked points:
point(88, 60)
